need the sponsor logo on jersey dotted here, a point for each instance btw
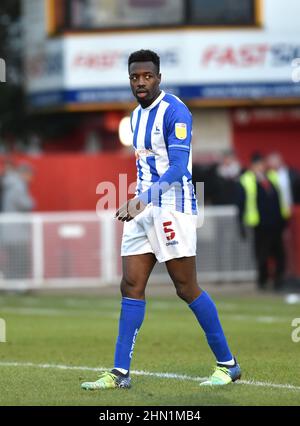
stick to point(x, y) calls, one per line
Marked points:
point(143, 153)
point(180, 131)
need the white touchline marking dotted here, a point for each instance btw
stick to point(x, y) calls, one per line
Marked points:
point(261, 319)
point(57, 312)
point(146, 373)
point(108, 314)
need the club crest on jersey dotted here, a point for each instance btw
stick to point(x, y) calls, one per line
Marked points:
point(157, 129)
point(180, 131)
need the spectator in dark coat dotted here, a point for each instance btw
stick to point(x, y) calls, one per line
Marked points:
point(263, 209)
point(227, 174)
point(289, 178)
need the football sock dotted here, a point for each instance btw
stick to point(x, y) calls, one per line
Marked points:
point(120, 371)
point(230, 363)
point(131, 319)
point(207, 316)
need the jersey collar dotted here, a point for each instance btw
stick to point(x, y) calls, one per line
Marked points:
point(154, 103)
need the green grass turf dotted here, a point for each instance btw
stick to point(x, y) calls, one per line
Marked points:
point(81, 331)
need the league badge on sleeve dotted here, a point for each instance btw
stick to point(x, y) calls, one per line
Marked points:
point(180, 131)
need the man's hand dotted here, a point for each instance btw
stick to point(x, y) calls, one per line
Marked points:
point(130, 210)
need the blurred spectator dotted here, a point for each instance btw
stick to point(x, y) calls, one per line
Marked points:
point(7, 168)
point(220, 180)
point(16, 196)
point(229, 168)
point(15, 237)
point(262, 208)
point(201, 174)
point(289, 179)
point(34, 146)
point(93, 143)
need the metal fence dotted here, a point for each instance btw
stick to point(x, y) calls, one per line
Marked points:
point(81, 249)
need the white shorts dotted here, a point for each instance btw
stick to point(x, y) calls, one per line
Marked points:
point(167, 234)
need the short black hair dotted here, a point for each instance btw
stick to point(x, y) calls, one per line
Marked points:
point(256, 157)
point(145, 56)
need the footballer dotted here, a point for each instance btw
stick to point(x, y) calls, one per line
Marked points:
point(160, 224)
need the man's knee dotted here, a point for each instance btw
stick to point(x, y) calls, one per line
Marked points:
point(132, 287)
point(187, 291)
point(183, 289)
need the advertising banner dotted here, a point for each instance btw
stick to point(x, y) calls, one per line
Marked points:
point(195, 65)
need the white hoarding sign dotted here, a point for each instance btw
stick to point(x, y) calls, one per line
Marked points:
point(194, 64)
point(191, 57)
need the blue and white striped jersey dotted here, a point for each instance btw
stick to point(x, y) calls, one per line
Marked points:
point(164, 126)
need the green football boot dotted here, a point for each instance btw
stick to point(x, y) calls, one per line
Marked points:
point(107, 380)
point(223, 375)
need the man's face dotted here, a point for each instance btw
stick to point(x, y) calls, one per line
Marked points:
point(274, 161)
point(228, 160)
point(259, 167)
point(144, 82)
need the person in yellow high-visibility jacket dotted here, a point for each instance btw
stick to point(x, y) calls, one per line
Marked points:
point(262, 208)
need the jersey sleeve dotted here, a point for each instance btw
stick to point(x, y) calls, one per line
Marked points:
point(173, 176)
point(178, 128)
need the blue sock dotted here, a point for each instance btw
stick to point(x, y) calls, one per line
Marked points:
point(131, 319)
point(207, 316)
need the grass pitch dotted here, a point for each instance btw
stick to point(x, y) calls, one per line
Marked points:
point(54, 342)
